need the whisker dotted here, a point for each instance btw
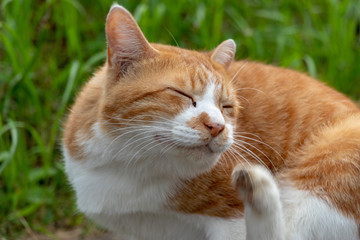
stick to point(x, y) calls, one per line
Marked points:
point(255, 89)
point(129, 143)
point(143, 147)
point(240, 134)
point(130, 121)
point(262, 142)
point(243, 142)
point(241, 162)
point(244, 98)
point(168, 148)
point(252, 154)
point(182, 56)
point(242, 66)
point(139, 129)
point(226, 158)
point(131, 160)
point(165, 140)
point(234, 155)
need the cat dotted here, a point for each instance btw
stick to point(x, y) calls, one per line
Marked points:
point(169, 143)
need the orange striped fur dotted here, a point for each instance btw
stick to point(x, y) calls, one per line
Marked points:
point(304, 132)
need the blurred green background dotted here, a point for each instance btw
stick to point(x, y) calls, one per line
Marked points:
point(49, 48)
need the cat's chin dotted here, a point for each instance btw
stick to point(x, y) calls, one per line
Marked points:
point(206, 148)
point(201, 148)
point(212, 148)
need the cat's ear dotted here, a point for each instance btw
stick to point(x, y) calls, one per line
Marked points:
point(224, 53)
point(125, 42)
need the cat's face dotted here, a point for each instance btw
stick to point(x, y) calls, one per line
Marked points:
point(164, 102)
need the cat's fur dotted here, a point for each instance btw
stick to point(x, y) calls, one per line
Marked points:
point(163, 143)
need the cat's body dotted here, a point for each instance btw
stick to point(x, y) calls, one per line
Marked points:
point(147, 146)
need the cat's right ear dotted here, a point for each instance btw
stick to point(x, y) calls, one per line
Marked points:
point(126, 43)
point(224, 53)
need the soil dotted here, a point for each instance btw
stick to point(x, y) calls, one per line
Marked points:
point(73, 234)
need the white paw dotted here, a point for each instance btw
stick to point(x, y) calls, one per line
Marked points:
point(257, 187)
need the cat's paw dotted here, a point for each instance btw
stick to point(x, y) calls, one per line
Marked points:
point(257, 187)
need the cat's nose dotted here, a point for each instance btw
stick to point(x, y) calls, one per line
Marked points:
point(214, 128)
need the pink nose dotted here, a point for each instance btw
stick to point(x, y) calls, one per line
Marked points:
point(214, 128)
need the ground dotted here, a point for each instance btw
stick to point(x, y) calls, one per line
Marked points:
point(71, 234)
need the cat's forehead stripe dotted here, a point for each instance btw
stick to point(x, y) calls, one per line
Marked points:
point(209, 74)
point(203, 78)
point(210, 93)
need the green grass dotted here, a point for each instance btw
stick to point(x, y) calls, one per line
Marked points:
point(48, 49)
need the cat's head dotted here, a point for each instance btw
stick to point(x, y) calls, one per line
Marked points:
point(172, 107)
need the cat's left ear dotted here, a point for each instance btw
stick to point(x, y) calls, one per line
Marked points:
point(126, 43)
point(224, 53)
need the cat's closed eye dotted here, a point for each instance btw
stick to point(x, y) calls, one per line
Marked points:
point(228, 106)
point(227, 109)
point(183, 94)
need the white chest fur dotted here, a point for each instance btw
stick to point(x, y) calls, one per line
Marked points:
point(106, 185)
point(107, 189)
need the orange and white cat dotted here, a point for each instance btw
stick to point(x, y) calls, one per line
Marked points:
point(169, 143)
